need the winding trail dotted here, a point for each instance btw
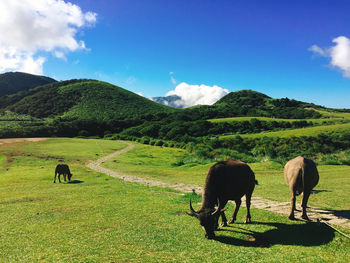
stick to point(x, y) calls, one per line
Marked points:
point(257, 202)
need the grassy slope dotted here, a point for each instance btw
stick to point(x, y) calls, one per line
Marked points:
point(239, 119)
point(308, 131)
point(106, 220)
point(336, 118)
point(85, 99)
point(105, 101)
point(158, 163)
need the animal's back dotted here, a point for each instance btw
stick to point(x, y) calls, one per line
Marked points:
point(302, 173)
point(231, 179)
point(62, 168)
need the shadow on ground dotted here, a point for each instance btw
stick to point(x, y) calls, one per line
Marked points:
point(319, 191)
point(341, 213)
point(75, 182)
point(309, 234)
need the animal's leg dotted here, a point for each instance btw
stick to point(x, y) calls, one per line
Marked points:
point(292, 204)
point(304, 204)
point(234, 216)
point(222, 213)
point(59, 177)
point(54, 181)
point(64, 177)
point(248, 217)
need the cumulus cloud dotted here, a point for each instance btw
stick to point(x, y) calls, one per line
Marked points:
point(197, 94)
point(339, 54)
point(29, 28)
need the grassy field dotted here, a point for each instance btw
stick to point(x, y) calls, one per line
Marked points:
point(331, 122)
point(162, 164)
point(330, 117)
point(101, 219)
point(308, 131)
point(315, 121)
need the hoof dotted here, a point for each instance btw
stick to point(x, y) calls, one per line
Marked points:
point(248, 221)
point(305, 217)
point(231, 221)
point(291, 217)
point(212, 236)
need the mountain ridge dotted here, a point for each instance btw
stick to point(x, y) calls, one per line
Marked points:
point(13, 82)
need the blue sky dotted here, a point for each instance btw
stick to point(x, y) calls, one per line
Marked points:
point(150, 47)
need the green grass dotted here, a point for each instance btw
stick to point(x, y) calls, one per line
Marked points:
point(160, 164)
point(240, 119)
point(308, 131)
point(102, 219)
point(329, 114)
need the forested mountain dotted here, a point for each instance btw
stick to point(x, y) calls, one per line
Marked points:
point(13, 82)
point(82, 99)
point(91, 99)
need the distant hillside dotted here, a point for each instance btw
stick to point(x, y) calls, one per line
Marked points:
point(13, 82)
point(246, 103)
point(84, 99)
point(252, 103)
point(168, 101)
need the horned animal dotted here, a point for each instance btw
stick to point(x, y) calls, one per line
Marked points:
point(227, 180)
point(64, 170)
point(301, 175)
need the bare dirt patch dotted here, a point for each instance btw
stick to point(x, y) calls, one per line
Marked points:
point(17, 140)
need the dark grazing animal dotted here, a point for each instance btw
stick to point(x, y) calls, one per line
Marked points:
point(301, 175)
point(228, 180)
point(64, 170)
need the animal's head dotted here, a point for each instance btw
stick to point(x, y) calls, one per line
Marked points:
point(69, 176)
point(208, 218)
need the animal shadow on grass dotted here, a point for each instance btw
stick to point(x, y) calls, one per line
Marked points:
point(319, 191)
point(338, 213)
point(75, 182)
point(309, 234)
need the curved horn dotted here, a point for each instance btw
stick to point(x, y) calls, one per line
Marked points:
point(193, 212)
point(217, 209)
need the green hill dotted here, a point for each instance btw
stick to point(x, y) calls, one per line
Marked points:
point(13, 82)
point(252, 103)
point(84, 99)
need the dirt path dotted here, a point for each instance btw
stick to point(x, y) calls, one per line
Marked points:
point(16, 140)
point(257, 202)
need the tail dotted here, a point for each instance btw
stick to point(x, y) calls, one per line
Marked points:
point(256, 182)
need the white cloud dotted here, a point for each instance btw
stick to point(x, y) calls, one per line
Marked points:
point(339, 54)
point(318, 50)
point(197, 94)
point(28, 27)
point(172, 79)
